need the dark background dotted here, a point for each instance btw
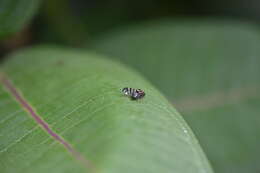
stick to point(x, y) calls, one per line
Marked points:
point(73, 22)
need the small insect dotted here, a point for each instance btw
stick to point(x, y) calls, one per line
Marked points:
point(133, 93)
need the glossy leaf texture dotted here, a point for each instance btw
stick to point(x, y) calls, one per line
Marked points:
point(15, 14)
point(210, 70)
point(78, 94)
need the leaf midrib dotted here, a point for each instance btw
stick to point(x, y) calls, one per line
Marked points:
point(31, 111)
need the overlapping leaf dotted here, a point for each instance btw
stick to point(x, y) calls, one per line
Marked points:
point(15, 14)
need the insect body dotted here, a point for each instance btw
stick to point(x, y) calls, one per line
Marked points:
point(133, 93)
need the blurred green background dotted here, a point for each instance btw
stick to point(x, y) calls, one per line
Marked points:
point(203, 55)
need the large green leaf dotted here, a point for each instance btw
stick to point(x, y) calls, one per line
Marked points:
point(15, 14)
point(210, 70)
point(78, 96)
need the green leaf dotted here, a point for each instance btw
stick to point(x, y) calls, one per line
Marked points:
point(210, 70)
point(78, 96)
point(15, 14)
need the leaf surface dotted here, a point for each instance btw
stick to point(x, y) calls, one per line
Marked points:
point(63, 111)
